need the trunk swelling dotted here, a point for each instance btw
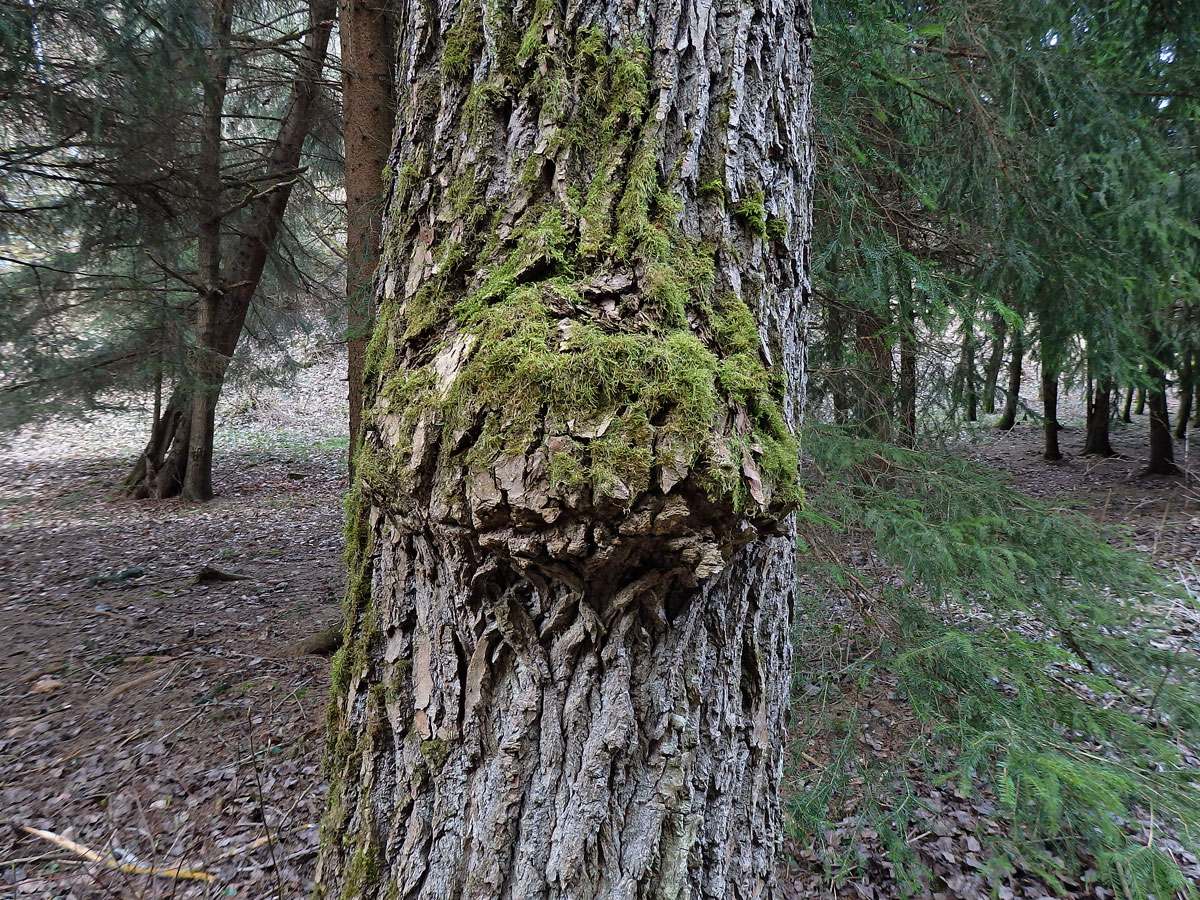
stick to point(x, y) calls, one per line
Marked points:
point(567, 661)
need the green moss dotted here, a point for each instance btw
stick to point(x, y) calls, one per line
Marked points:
point(526, 368)
point(777, 228)
point(363, 869)
point(538, 361)
point(463, 42)
point(533, 42)
point(379, 356)
point(622, 458)
point(752, 212)
point(436, 751)
point(714, 188)
point(733, 326)
point(566, 468)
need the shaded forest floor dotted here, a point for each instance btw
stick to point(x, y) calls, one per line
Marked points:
point(153, 717)
point(947, 843)
point(170, 722)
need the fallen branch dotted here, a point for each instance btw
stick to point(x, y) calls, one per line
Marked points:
point(177, 872)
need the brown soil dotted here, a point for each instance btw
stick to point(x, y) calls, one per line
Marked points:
point(148, 717)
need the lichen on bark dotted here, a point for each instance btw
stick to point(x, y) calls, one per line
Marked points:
point(569, 549)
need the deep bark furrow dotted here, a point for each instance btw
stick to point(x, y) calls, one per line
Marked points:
point(570, 594)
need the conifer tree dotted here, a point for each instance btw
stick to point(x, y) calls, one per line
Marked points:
point(153, 149)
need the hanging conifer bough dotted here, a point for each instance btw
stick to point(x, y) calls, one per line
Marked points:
point(571, 552)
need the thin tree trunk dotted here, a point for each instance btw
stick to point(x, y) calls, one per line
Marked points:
point(1141, 400)
point(1162, 448)
point(1099, 414)
point(165, 467)
point(835, 358)
point(1127, 408)
point(201, 369)
point(834, 344)
point(970, 394)
point(873, 400)
point(908, 374)
point(1012, 397)
point(991, 371)
point(566, 665)
point(1050, 425)
point(367, 133)
point(1187, 388)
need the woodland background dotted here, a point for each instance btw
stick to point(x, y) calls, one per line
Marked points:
point(995, 689)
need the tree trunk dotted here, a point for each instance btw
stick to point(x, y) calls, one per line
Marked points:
point(201, 366)
point(873, 397)
point(1162, 448)
point(180, 460)
point(1050, 414)
point(1099, 414)
point(367, 134)
point(835, 360)
point(969, 389)
point(1141, 400)
point(1187, 388)
point(1127, 407)
point(908, 374)
point(567, 655)
point(1012, 398)
point(991, 371)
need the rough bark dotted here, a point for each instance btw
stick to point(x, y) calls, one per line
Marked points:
point(367, 133)
point(566, 663)
point(1012, 397)
point(1099, 415)
point(179, 459)
point(1050, 426)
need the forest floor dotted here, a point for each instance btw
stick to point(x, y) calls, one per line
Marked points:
point(1162, 518)
point(165, 720)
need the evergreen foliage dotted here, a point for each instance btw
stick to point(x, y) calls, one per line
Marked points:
point(1035, 654)
point(1031, 159)
point(101, 195)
